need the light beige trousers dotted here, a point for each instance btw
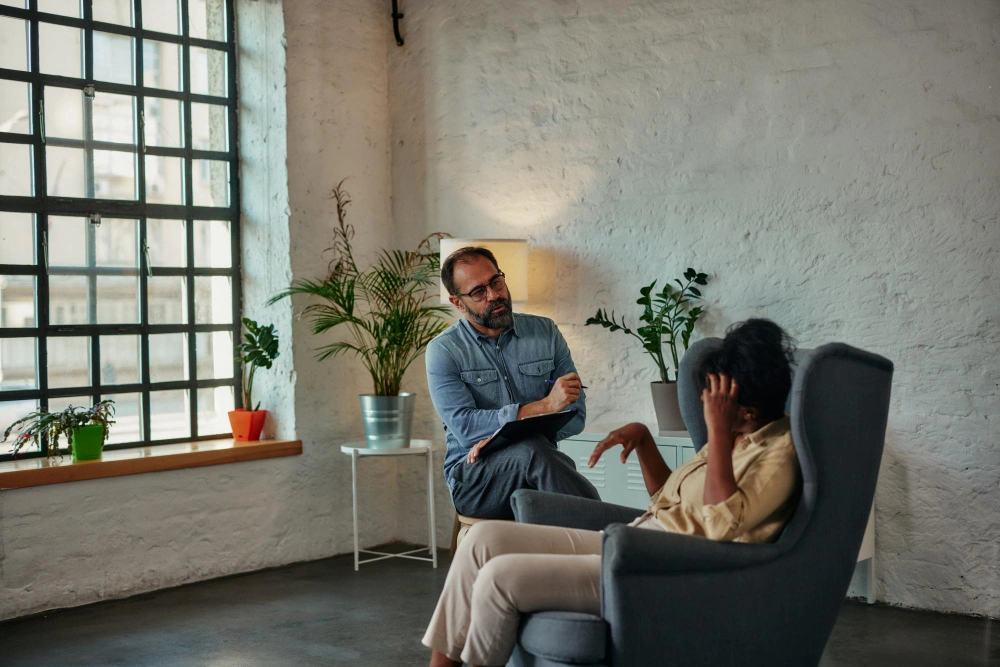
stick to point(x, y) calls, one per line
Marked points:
point(502, 569)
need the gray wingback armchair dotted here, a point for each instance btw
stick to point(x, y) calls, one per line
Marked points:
point(681, 600)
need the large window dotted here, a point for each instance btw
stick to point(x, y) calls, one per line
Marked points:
point(119, 210)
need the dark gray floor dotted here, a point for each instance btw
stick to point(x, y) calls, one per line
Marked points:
point(323, 613)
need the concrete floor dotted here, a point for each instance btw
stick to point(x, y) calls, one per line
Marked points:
point(323, 613)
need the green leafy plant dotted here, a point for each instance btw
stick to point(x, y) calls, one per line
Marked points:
point(45, 428)
point(259, 349)
point(667, 319)
point(387, 310)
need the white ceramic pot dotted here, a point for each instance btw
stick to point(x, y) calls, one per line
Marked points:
point(668, 408)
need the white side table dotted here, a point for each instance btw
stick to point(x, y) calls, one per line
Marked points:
point(424, 448)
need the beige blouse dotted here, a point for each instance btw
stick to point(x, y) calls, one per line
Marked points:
point(768, 481)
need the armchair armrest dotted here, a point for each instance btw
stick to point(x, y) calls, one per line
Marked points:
point(554, 509)
point(640, 551)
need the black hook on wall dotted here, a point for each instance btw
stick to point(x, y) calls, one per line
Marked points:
point(395, 22)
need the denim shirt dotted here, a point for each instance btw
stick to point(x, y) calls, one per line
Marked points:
point(478, 384)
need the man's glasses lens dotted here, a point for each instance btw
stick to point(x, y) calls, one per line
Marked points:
point(496, 285)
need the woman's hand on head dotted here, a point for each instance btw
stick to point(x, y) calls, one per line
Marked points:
point(719, 403)
point(629, 437)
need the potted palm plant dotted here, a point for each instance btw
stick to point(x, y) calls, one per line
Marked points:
point(86, 430)
point(259, 349)
point(388, 314)
point(667, 320)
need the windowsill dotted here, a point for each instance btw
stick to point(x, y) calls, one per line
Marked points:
point(40, 471)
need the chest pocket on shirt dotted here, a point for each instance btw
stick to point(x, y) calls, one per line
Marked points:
point(535, 374)
point(485, 387)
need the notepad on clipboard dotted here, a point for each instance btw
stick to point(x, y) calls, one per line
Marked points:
point(548, 425)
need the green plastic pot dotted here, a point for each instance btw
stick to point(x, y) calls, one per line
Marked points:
point(88, 441)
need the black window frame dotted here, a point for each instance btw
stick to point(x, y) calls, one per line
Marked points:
point(41, 205)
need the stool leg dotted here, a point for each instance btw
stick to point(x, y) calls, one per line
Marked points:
point(430, 506)
point(354, 498)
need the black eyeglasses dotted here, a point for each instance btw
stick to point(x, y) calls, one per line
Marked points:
point(497, 283)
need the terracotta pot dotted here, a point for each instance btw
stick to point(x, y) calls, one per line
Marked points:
point(247, 424)
point(668, 408)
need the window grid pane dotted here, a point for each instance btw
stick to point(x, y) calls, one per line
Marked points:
point(123, 267)
point(15, 106)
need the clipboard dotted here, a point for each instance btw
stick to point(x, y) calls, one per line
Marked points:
point(548, 425)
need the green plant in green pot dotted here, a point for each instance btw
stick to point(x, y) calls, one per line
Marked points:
point(259, 349)
point(86, 430)
point(389, 314)
point(667, 321)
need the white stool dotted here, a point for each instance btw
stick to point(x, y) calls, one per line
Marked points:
point(417, 448)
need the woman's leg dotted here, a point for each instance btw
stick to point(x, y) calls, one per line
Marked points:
point(512, 584)
point(449, 625)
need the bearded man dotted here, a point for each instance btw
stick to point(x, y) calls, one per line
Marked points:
point(491, 367)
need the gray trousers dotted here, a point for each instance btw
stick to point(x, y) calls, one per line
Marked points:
point(483, 489)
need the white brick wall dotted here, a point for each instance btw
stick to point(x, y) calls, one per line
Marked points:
point(834, 166)
point(71, 544)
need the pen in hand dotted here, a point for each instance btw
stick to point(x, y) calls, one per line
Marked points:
point(553, 382)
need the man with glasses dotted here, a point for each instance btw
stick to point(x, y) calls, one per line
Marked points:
point(491, 367)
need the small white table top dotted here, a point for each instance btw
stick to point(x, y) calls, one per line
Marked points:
point(416, 448)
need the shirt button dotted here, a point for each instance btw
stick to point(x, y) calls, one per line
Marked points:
point(479, 379)
point(504, 377)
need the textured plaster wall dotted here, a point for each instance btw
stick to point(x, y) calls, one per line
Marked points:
point(833, 166)
point(71, 544)
point(338, 127)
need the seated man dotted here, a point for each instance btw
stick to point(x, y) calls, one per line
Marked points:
point(490, 368)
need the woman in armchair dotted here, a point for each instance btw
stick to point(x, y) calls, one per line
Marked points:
point(742, 486)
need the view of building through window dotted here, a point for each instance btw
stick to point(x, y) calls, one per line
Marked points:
point(117, 276)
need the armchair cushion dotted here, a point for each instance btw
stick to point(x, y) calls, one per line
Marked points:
point(565, 637)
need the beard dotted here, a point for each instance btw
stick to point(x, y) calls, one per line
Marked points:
point(502, 319)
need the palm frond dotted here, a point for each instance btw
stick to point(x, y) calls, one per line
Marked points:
point(386, 312)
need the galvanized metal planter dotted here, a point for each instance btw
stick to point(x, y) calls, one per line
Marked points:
point(388, 420)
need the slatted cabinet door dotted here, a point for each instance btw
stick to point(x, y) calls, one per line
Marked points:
point(617, 483)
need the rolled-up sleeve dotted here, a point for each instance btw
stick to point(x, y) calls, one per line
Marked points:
point(766, 485)
point(563, 366)
point(454, 402)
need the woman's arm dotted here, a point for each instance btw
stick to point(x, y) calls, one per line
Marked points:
point(720, 482)
point(636, 436)
point(719, 401)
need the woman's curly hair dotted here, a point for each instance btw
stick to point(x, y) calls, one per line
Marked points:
point(758, 354)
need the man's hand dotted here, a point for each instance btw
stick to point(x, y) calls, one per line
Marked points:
point(476, 448)
point(719, 403)
point(565, 392)
point(631, 436)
